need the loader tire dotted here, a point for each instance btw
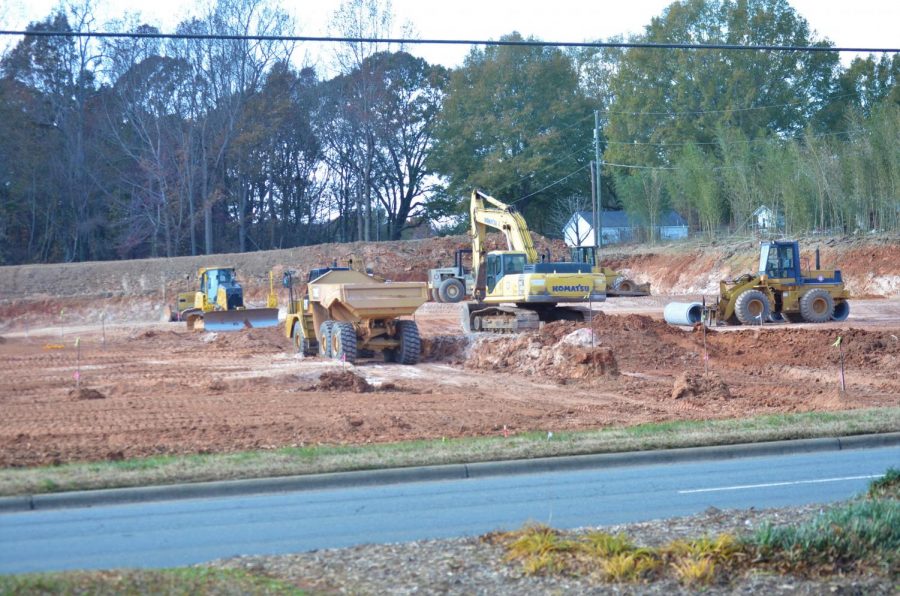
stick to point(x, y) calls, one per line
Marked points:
point(816, 306)
point(452, 290)
point(343, 342)
point(623, 284)
point(410, 348)
point(325, 335)
point(752, 306)
point(433, 293)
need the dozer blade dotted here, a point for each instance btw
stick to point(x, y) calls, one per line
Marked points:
point(236, 320)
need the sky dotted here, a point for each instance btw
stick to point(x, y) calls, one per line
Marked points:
point(866, 23)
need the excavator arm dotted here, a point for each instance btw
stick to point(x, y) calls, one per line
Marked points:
point(501, 217)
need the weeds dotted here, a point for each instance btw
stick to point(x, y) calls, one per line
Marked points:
point(692, 571)
point(886, 487)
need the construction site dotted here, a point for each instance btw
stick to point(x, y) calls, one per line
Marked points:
point(92, 368)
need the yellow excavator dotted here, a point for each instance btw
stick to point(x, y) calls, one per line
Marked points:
point(514, 289)
point(219, 304)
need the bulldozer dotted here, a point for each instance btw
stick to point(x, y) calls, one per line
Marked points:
point(219, 304)
point(514, 290)
point(783, 290)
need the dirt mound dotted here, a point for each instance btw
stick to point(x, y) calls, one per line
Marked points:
point(85, 393)
point(549, 352)
point(447, 348)
point(343, 380)
point(705, 386)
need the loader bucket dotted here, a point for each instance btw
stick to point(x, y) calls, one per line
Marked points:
point(236, 320)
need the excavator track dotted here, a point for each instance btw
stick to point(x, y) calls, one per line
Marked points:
point(506, 318)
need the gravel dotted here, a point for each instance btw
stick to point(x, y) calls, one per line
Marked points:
point(474, 566)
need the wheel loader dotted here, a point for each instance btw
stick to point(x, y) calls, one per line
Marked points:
point(219, 304)
point(346, 314)
point(783, 290)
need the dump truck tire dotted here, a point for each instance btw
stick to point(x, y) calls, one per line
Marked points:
point(410, 348)
point(304, 346)
point(452, 290)
point(343, 342)
point(325, 342)
point(816, 306)
point(750, 305)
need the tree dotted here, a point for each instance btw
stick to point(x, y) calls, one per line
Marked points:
point(662, 101)
point(516, 124)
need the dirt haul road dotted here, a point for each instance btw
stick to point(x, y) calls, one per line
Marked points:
point(159, 389)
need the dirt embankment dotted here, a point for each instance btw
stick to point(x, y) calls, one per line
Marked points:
point(137, 290)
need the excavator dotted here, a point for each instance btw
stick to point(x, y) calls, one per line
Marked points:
point(514, 289)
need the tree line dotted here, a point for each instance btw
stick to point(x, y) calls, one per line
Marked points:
point(134, 147)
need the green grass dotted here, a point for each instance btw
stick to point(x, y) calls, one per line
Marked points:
point(325, 458)
point(177, 582)
point(845, 538)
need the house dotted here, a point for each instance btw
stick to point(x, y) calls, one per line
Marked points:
point(616, 227)
point(765, 218)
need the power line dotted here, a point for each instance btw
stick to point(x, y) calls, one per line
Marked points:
point(480, 42)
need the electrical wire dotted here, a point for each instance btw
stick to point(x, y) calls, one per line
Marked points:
point(470, 42)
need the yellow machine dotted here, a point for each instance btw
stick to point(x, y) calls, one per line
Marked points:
point(346, 314)
point(617, 284)
point(219, 303)
point(783, 290)
point(513, 289)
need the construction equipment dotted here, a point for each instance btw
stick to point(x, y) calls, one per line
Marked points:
point(517, 276)
point(617, 284)
point(346, 314)
point(451, 284)
point(782, 290)
point(219, 304)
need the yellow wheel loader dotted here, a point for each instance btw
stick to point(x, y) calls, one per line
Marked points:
point(783, 290)
point(514, 290)
point(219, 304)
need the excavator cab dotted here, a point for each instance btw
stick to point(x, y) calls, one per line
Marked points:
point(500, 264)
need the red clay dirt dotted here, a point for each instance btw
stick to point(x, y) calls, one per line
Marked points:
point(165, 390)
point(148, 388)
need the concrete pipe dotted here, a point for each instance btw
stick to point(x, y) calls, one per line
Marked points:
point(841, 311)
point(683, 313)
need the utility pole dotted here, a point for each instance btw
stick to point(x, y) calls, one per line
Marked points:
point(598, 206)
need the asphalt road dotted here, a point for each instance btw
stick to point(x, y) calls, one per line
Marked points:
point(181, 532)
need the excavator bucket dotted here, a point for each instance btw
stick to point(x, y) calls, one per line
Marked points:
point(236, 320)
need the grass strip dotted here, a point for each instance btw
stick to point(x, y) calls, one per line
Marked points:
point(324, 458)
point(181, 581)
point(858, 536)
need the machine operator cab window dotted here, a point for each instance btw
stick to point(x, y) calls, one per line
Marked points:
point(502, 264)
point(777, 261)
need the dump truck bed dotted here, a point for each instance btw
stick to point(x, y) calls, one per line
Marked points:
point(366, 297)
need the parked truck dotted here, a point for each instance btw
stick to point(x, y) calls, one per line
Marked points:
point(346, 314)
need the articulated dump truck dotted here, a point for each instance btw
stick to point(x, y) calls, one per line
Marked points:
point(346, 314)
